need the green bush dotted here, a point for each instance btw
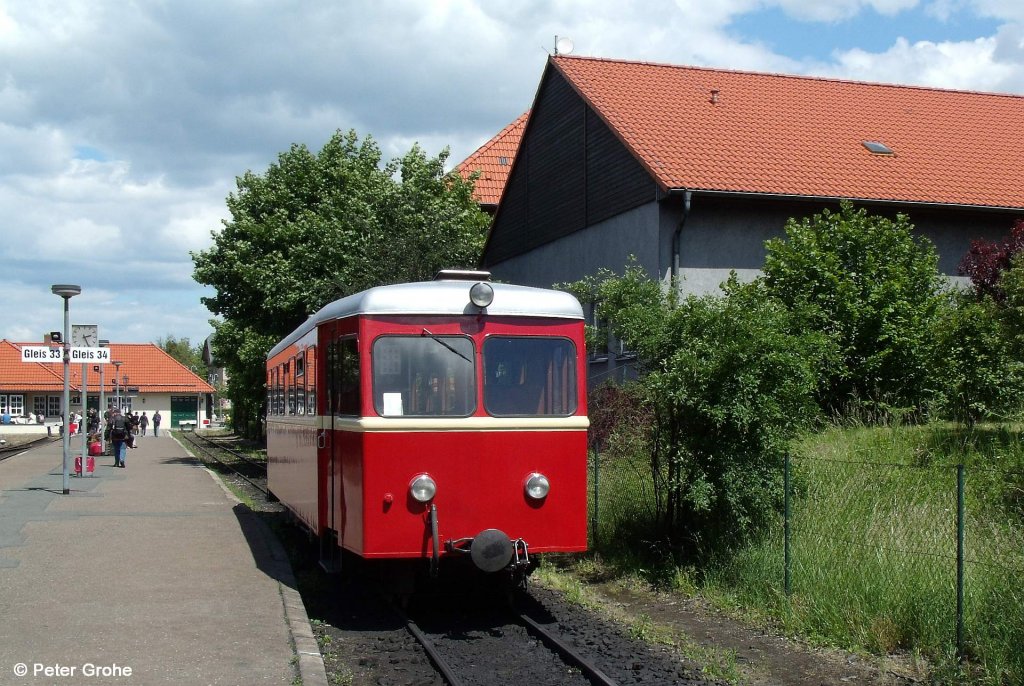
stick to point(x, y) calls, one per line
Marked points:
point(728, 386)
point(977, 375)
point(872, 289)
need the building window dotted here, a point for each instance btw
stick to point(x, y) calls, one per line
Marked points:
point(39, 405)
point(13, 405)
point(53, 405)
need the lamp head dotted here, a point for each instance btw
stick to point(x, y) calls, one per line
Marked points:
point(65, 290)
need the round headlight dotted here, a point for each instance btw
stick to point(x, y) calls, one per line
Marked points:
point(422, 488)
point(537, 486)
point(481, 294)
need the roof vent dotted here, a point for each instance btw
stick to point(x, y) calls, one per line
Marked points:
point(503, 161)
point(877, 148)
point(714, 96)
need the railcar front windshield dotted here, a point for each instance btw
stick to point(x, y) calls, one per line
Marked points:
point(529, 376)
point(424, 376)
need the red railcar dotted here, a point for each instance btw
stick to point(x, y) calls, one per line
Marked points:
point(435, 421)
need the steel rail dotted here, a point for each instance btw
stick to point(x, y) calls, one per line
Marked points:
point(432, 653)
point(262, 489)
point(568, 654)
point(11, 450)
point(240, 456)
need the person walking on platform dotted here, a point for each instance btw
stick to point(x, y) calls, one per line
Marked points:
point(120, 430)
point(156, 423)
point(143, 423)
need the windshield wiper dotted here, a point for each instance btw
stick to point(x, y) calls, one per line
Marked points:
point(432, 336)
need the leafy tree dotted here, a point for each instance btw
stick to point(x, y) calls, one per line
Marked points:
point(872, 289)
point(728, 386)
point(183, 351)
point(318, 226)
point(986, 261)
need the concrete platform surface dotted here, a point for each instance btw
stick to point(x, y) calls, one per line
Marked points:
point(150, 574)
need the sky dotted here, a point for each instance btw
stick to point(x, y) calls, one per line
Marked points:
point(125, 124)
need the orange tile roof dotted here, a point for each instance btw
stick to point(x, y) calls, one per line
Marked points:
point(720, 130)
point(488, 161)
point(147, 366)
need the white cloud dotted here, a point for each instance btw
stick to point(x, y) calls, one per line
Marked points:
point(189, 229)
point(836, 10)
point(964, 65)
point(178, 98)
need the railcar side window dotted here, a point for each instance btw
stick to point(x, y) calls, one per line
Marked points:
point(289, 382)
point(529, 376)
point(343, 377)
point(300, 383)
point(424, 376)
point(311, 380)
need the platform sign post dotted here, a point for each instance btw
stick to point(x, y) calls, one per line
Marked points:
point(104, 343)
point(87, 336)
point(45, 354)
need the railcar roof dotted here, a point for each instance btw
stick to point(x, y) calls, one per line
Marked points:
point(446, 297)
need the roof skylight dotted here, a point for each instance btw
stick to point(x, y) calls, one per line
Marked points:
point(877, 148)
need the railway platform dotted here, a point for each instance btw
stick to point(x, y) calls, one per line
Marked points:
point(151, 574)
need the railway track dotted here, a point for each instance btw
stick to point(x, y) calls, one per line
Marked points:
point(10, 450)
point(505, 645)
point(251, 470)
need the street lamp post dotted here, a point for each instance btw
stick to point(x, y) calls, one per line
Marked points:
point(66, 291)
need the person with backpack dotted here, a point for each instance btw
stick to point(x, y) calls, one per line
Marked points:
point(156, 423)
point(143, 423)
point(120, 430)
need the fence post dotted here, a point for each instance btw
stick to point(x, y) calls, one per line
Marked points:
point(787, 564)
point(960, 478)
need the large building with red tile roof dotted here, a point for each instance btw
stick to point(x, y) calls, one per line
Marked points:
point(492, 162)
point(691, 169)
point(144, 379)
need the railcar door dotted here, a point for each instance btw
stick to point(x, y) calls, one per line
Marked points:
point(340, 401)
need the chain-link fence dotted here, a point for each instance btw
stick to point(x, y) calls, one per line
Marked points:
point(895, 556)
point(886, 556)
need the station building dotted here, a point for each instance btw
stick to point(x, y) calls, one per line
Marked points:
point(146, 379)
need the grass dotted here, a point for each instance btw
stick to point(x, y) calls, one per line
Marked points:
point(573, 579)
point(874, 546)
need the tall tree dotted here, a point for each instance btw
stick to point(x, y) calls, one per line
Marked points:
point(183, 351)
point(318, 226)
